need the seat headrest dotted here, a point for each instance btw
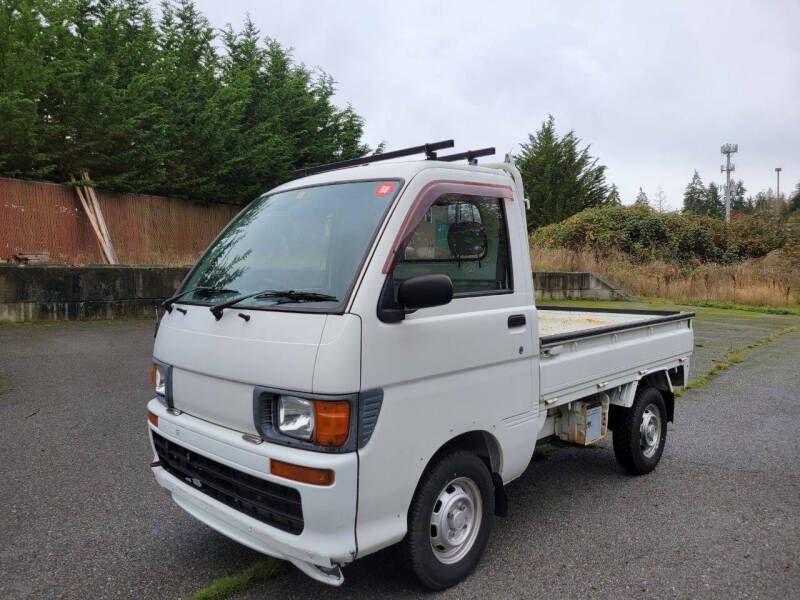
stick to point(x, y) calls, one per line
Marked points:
point(467, 240)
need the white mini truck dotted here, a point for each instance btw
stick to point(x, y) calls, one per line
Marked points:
point(357, 361)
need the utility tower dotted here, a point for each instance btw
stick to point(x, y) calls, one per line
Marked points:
point(728, 168)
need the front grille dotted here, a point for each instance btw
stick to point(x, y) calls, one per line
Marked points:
point(274, 504)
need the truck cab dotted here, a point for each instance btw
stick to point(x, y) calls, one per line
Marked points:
point(357, 361)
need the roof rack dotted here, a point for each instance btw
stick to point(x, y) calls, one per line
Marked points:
point(428, 149)
point(470, 155)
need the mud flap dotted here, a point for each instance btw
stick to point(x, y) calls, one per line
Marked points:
point(500, 498)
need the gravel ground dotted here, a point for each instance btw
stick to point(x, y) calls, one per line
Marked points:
point(83, 518)
point(717, 519)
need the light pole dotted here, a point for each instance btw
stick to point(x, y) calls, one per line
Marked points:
point(728, 168)
point(778, 192)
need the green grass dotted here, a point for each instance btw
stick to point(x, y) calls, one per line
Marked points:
point(652, 304)
point(732, 357)
point(585, 302)
point(662, 304)
point(758, 309)
point(230, 584)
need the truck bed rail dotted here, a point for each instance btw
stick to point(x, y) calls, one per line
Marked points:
point(658, 316)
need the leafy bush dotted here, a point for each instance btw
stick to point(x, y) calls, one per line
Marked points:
point(646, 235)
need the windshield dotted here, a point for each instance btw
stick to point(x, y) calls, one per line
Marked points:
point(307, 243)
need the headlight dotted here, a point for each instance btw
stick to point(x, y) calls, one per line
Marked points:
point(323, 422)
point(158, 377)
point(296, 417)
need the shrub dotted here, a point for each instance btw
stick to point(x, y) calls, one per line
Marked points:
point(645, 235)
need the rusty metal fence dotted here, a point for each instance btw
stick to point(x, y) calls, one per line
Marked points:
point(46, 217)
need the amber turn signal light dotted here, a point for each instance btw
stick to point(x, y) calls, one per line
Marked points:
point(152, 418)
point(153, 375)
point(301, 474)
point(332, 422)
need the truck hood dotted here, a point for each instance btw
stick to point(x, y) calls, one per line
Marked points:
point(216, 364)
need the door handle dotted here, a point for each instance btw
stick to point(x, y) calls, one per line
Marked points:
point(516, 321)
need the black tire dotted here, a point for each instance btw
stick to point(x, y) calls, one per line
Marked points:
point(459, 468)
point(637, 452)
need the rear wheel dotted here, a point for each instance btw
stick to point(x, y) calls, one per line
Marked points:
point(641, 432)
point(450, 520)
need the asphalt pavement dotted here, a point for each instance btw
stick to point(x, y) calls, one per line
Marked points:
point(82, 516)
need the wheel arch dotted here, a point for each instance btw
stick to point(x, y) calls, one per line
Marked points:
point(662, 382)
point(659, 380)
point(488, 448)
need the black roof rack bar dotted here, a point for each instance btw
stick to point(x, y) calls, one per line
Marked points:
point(428, 149)
point(470, 155)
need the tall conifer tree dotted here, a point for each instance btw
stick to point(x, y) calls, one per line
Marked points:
point(694, 197)
point(560, 178)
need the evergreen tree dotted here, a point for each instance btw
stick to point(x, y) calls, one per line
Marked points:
point(794, 204)
point(22, 79)
point(641, 199)
point(738, 201)
point(188, 65)
point(560, 178)
point(156, 107)
point(120, 131)
point(694, 197)
point(613, 196)
point(714, 203)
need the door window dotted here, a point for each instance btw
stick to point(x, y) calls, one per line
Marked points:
point(465, 238)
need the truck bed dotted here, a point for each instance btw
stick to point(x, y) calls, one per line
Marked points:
point(587, 350)
point(557, 321)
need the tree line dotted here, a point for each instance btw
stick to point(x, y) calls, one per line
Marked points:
point(170, 106)
point(709, 200)
point(153, 106)
point(167, 105)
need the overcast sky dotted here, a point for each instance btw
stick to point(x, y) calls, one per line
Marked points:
point(655, 88)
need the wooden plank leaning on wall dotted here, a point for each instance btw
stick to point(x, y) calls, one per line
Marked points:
point(91, 206)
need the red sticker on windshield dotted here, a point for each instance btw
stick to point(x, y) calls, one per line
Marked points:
point(384, 188)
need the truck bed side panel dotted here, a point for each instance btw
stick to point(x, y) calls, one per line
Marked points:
point(583, 366)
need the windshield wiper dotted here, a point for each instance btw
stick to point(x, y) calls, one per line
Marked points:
point(290, 295)
point(203, 289)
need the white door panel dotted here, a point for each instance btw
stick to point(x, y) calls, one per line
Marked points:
point(429, 345)
point(444, 371)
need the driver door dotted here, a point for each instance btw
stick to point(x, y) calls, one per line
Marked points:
point(446, 370)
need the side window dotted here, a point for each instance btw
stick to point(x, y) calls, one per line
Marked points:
point(465, 238)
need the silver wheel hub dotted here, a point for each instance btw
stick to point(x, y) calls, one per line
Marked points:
point(455, 520)
point(650, 431)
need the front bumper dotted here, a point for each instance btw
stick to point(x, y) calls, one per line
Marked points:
point(328, 536)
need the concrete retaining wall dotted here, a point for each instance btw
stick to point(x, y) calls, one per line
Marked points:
point(558, 286)
point(55, 292)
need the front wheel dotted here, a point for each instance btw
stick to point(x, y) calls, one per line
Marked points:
point(641, 433)
point(450, 520)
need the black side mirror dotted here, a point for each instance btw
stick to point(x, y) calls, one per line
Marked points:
point(424, 291)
